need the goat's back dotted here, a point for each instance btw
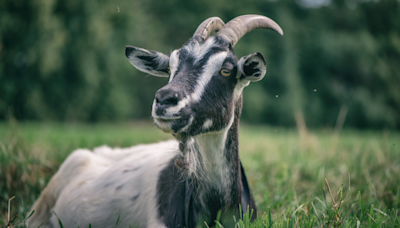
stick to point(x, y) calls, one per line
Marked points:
point(101, 186)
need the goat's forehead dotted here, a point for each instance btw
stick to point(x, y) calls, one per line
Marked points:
point(197, 51)
point(201, 49)
point(200, 59)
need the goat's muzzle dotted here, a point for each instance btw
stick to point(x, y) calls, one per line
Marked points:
point(168, 108)
point(167, 97)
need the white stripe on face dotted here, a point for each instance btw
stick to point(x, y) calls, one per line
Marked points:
point(173, 64)
point(214, 64)
point(175, 109)
point(188, 125)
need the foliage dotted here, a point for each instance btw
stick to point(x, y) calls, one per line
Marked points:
point(286, 170)
point(64, 61)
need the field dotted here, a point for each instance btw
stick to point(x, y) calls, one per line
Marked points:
point(300, 178)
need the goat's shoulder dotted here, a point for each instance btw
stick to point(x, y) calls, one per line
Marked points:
point(138, 152)
point(83, 165)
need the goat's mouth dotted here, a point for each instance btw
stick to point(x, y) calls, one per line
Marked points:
point(171, 124)
point(166, 118)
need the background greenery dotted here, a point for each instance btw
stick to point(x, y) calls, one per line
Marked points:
point(64, 60)
point(286, 169)
point(62, 66)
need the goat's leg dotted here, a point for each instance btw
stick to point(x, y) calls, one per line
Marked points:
point(74, 165)
point(43, 205)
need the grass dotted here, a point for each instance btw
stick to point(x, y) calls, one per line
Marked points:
point(298, 178)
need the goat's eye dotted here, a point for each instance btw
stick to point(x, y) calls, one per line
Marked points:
point(169, 70)
point(225, 72)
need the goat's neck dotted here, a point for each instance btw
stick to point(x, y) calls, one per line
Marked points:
point(213, 159)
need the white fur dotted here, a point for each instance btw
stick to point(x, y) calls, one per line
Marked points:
point(207, 124)
point(175, 109)
point(214, 64)
point(200, 49)
point(188, 125)
point(245, 61)
point(237, 92)
point(98, 187)
point(173, 64)
point(214, 170)
point(101, 186)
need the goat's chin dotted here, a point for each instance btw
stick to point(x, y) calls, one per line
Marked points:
point(165, 126)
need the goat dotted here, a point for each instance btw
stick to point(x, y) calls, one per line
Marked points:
point(178, 183)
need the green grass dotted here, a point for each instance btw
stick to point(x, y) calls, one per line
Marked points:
point(286, 170)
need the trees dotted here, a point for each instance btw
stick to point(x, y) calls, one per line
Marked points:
point(64, 61)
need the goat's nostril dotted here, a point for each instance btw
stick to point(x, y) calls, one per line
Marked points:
point(171, 101)
point(167, 97)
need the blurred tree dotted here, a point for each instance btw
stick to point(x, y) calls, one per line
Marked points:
point(64, 60)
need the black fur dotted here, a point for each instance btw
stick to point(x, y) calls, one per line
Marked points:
point(171, 189)
point(217, 94)
point(179, 206)
point(119, 187)
point(131, 170)
point(177, 194)
point(148, 60)
point(251, 68)
point(135, 197)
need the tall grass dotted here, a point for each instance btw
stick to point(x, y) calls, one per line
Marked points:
point(298, 178)
point(323, 179)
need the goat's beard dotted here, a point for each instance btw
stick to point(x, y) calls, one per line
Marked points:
point(189, 161)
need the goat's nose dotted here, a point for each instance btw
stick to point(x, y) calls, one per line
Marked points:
point(168, 97)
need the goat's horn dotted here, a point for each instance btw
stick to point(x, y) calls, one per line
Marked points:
point(239, 26)
point(208, 26)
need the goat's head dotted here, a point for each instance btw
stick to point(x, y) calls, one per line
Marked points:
point(206, 79)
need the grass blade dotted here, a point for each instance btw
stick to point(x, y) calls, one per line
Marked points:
point(397, 198)
point(219, 224)
point(269, 217)
point(116, 224)
point(59, 220)
point(30, 214)
point(348, 225)
point(361, 206)
point(371, 211)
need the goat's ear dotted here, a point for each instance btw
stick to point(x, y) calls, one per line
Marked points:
point(151, 62)
point(252, 67)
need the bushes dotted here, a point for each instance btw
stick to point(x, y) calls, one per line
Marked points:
point(64, 61)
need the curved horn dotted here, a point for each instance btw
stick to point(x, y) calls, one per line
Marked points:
point(239, 26)
point(208, 26)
